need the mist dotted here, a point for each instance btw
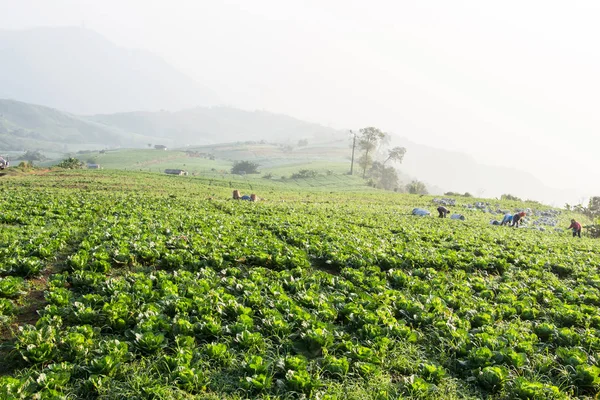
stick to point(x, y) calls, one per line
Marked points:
point(512, 85)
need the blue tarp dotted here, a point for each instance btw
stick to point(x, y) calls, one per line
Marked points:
point(420, 211)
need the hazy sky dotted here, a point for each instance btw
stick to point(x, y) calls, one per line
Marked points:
point(512, 83)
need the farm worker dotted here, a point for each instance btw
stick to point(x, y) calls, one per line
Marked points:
point(507, 219)
point(236, 194)
point(576, 226)
point(253, 197)
point(443, 211)
point(517, 218)
point(457, 216)
point(494, 222)
point(246, 197)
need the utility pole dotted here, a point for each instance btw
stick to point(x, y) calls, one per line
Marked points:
point(353, 146)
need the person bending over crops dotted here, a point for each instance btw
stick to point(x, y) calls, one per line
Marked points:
point(517, 218)
point(443, 211)
point(576, 226)
point(507, 219)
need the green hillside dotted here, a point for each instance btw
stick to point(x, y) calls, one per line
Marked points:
point(31, 127)
point(277, 164)
point(270, 157)
point(120, 284)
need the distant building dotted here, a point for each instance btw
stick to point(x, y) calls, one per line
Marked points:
point(93, 166)
point(175, 172)
point(160, 147)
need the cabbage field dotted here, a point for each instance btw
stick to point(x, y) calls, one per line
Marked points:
point(117, 285)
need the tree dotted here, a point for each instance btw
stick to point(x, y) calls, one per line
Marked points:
point(368, 140)
point(386, 177)
point(593, 212)
point(593, 209)
point(396, 154)
point(509, 197)
point(364, 161)
point(416, 187)
point(244, 167)
point(33, 156)
point(70, 163)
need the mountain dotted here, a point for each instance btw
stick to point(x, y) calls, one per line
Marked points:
point(78, 70)
point(212, 125)
point(459, 172)
point(26, 126)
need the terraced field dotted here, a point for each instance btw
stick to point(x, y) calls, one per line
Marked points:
point(129, 285)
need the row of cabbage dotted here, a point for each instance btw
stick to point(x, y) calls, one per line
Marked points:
point(168, 295)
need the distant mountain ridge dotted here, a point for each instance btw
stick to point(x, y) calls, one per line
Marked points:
point(36, 127)
point(82, 72)
point(459, 172)
point(210, 125)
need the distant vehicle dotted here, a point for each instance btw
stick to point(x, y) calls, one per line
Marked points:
point(175, 172)
point(93, 166)
point(3, 163)
point(160, 147)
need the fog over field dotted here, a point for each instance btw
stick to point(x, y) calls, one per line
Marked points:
point(512, 85)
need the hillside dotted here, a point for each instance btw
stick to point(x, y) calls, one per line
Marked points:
point(80, 71)
point(30, 126)
point(442, 169)
point(26, 126)
point(459, 172)
point(232, 134)
point(214, 125)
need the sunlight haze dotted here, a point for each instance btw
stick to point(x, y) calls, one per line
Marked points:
point(512, 84)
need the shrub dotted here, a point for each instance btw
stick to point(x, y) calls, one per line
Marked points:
point(25, 165)
point(244, 167)
point(509, 197)
point(305, 173)
point(70, 163)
